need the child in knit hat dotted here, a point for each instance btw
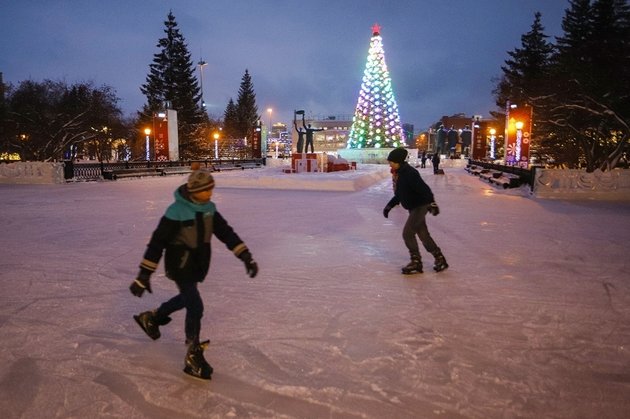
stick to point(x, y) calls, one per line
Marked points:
point(183, 236)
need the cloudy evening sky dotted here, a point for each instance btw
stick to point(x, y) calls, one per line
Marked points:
point(442, 54)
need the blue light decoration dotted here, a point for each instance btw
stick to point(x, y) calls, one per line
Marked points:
point(376, 122)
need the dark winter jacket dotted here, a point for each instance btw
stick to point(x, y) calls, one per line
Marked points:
point(184, 234)
point(409, 189)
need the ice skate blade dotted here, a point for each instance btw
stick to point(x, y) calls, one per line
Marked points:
point(137, 319)
point(440, 268)
point(414, 272)
point(199, 375)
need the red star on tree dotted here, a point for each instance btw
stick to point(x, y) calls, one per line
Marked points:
point(376, 29)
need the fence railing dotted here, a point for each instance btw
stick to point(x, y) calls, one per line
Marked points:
point(94, 171)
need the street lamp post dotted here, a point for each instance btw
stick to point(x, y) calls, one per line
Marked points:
point(201, 65)
point(216, 145)
point(493, 133)
point(147, 140)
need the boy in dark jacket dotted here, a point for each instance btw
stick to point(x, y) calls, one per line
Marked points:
point(183, 235)
point(415, 196)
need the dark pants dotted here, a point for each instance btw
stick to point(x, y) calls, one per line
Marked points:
point(189, 299)
point(417, 225)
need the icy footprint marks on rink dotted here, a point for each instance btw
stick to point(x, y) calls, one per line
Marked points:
point(128, 391)
point(20, 386)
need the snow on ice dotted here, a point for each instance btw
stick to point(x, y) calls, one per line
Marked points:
point(532, 319)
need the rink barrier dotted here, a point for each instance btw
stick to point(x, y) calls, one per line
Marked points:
point(80, 171)
point(578, 184)
point(32, 173)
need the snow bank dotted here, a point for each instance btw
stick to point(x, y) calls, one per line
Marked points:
point(275, 178)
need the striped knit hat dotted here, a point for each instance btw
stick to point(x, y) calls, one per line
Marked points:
point(200, 180)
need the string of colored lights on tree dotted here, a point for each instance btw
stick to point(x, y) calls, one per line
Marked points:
point(376, 121)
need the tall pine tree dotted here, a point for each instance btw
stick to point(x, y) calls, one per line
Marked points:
point(588, 110)
point(246, 108)
point(230, 120)
point(172, 80)
point(376, 122)
point(526, 73)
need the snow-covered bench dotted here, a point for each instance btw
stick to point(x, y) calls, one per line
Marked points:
point(507, 180)
point(137, 172)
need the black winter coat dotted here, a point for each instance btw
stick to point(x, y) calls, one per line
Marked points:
point(184, 234)
point(409, 189)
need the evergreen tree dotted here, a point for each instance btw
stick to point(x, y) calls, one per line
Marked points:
point(172, 81)
point(525, 75)
point(589, 107)
point(376, 122)
point(230, 120)
point(246, 108)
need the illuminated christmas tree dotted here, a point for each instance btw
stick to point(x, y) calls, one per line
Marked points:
point(376, 123)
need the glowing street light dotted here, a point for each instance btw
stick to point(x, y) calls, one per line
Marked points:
point(216, 145)
point(492, 142)
point(147, 140)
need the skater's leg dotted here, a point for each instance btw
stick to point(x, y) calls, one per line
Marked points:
point(409, 232)
point(194, 310)
point(409, 237)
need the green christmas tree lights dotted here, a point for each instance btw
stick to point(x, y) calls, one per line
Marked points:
point(376, 122)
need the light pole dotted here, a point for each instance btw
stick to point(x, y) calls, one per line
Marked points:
point(147, 140)
point(216, 145)
point(201, 65)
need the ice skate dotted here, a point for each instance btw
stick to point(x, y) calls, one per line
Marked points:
point(440, 263)
point(413, 267)
point(150, 324)
point(195, 364)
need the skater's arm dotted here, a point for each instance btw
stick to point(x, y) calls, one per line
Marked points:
point(226, 234)
point(163, 234)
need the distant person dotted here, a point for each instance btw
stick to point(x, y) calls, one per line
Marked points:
point(435, 161)
point(183, 235)
point(309, 135)
point(415, 196)
point(423, 159)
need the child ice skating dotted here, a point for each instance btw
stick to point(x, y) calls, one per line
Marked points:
point(415, 196)
point(183, 235)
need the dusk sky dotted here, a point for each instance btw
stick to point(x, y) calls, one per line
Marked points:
point(443, 55)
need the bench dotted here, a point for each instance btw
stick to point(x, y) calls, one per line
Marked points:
point(488, 174)
point(177, 170)
point(474, 170)
point(507, 180)
point(236, 166)
point(139, 172)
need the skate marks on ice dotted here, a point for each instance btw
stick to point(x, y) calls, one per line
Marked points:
point(19, 387)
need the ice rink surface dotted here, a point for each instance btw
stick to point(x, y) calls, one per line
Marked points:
point(531, 320)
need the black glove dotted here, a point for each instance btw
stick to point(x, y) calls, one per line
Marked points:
point(386, 211)
point(250, 266)
point(141, 283)
point(434, 209)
